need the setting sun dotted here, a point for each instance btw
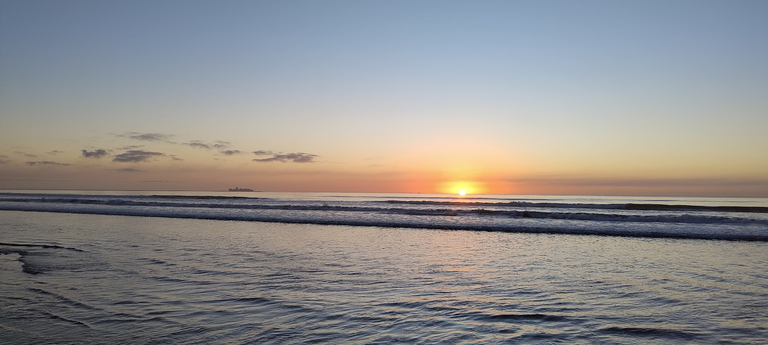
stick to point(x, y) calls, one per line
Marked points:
point(461, 187)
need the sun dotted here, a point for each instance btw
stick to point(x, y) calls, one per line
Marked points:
point(461, 187)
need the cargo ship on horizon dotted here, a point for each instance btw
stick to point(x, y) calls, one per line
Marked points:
point(237, 189)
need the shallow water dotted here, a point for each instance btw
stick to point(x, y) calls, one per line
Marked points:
point(116, 279)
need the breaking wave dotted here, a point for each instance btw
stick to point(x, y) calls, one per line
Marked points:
point(597, 217)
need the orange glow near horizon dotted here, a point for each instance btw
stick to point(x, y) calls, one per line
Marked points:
point(462, 187)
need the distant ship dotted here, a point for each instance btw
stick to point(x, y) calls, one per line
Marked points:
point(240, 190)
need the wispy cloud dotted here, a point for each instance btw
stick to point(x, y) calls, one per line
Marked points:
point(199, 144)
point(4, 159)
point(50, 163)
point(128, 170)
point(55, 152)
point(99, 153)
point(28, 155)
point(130, 147)
point(136, 156)
point(166, 138)
point(232, 152)
point(638, 182)
point(32, 180)
point(296, 157)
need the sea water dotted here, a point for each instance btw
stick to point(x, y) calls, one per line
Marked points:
point(260, 268)
point(705, 218)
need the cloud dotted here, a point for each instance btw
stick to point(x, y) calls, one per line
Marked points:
point(199, 144)
point(128, 170)
point(637, 182)
point(263, 153)
point(297, 157)
point(94, 154)
point(4, 159)
point(130, 147)
point(28, 155)
point(166, 138)
point(55, 152)
point(232, 152)
point(136, 156)
point(32, 180)
point(47, 163)
point(176, 158)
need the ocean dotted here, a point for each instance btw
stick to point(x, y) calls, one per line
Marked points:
point(298, 268)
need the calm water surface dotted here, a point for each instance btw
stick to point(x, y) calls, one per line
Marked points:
point(139, 280)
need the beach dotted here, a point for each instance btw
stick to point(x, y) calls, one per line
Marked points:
point(383, 172)
point(76, 278)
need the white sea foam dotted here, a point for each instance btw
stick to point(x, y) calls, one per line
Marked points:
point(639, 218)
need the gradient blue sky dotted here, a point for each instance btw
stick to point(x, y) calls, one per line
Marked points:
point(556, 97)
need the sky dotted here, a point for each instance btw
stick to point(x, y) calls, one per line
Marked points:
point(499, 97)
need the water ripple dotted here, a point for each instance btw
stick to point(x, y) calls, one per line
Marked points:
point(148, 280)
